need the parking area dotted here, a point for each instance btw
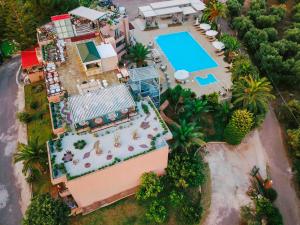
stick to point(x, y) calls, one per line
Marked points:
point(230, 168)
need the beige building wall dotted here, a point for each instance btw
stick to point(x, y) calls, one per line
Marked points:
point(109, 64)
point(118, 178)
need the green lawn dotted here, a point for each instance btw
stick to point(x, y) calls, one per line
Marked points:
point(39, 126)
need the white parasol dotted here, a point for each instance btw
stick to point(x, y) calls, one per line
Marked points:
point(181, 75)
point(218, 45)
point(205, 26)
point(211, 33)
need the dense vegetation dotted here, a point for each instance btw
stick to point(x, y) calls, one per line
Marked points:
point(271, 36)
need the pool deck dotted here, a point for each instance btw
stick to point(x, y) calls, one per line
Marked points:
point(223, 77)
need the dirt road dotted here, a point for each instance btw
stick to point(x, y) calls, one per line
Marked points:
point(271, 138)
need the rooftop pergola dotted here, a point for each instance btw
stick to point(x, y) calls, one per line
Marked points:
point(87, 13)
point(99, 103)
point(144, 81)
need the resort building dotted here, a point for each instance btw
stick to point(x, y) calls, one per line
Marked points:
point(111, 140)
point(170, 13)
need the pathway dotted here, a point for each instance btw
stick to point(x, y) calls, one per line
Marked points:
point(10, 211)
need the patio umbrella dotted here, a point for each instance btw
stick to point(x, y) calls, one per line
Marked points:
point(211, 33)
point(181, 75)
point(205, 26)
point(218, 45)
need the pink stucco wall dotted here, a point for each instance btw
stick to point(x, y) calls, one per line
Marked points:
point(113, 180)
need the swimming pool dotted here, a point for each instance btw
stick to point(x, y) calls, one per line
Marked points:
point(184, 53)
point(210, 79)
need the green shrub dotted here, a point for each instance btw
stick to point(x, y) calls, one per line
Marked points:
point(80, 144)
point(157, 212)
point(265, 209)
point(234, 8)
point(150, 186)
point(190, 213)
point(145, 108)
point(34, 105)
point(271, 194)
point(265, 21)
point(233, 135)
point(24, 117)
point(176, 198)
point(243, 120)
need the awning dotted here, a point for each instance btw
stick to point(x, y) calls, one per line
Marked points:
point(87, 13)
point(150, 13)
point(145, 8)
point(29, 59)
point(188, 10)
point(167, 4)
point(167, 11)
point(199, 6)
point(60, 17)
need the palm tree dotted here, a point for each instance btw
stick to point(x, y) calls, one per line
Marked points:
point(32, 155)
point(223, 112)
point(187, 135)
point(139, 54)
point(252, 94)
point(214, 11)
point(193, 109)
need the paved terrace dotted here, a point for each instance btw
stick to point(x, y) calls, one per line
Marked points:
point(219, 72)
point(72, 72)
point(102, 148)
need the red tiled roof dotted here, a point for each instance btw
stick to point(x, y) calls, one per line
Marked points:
point(60, 17)
point(29, 59)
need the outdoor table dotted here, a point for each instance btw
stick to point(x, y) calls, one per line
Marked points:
point(205, 26)
point(218, 45)
point(211, 33)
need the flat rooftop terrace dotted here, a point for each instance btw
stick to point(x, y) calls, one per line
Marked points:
point(72, 72)
point(143, 133)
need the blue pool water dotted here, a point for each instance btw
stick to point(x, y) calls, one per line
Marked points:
point(184, 52)
point(210, 79)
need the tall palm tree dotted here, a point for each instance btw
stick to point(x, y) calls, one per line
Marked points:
point(32, 155)
point(252, 93)
point(214, 11)
point(187, 135)
point(193, 108)
point(138, 54)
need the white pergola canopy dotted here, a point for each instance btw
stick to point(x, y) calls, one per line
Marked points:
point(87, 13)
point(199, 6)
point(167, 11)
point(172, 3)
point(188, 10)
point(149, 13)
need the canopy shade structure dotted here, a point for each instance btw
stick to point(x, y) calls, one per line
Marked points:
point(188, 10)
point(167, 11)
point(205, 26)
point(29, 59)
point(181, 75)
point(88, 51)
point(99, 103)
point(199, 6)
point(218, 45)
point(60, 17)
point(148, 14)
point(211, 33)
point(144, 8)
point(87, 13)
point(167, 4)
point(143, 73)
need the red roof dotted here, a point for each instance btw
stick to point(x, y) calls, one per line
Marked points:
point(60, 17)
point(29, 59)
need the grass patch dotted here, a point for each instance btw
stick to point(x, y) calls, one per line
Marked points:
point(124, 212)
point(39, 127)
point(40, 124)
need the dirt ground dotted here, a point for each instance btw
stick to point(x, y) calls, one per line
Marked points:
point(230, 167)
